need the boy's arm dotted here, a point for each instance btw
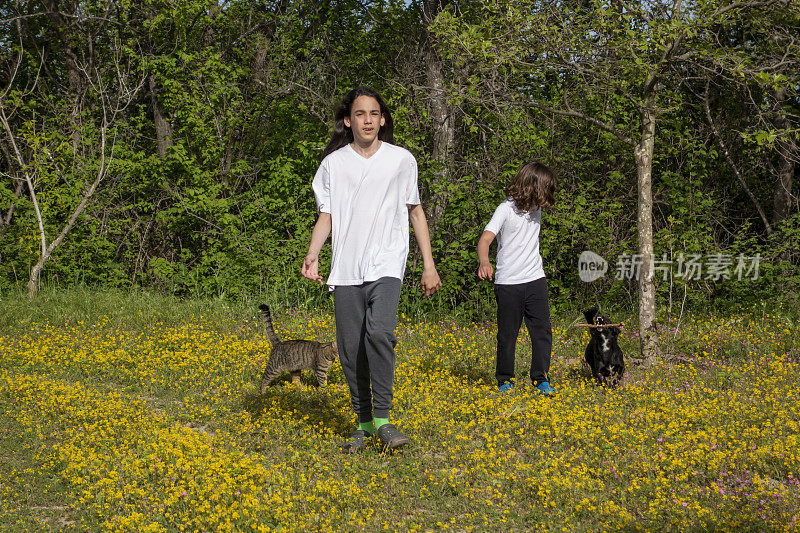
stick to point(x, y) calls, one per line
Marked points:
point(319, 235)
point(430, 278)
point(485, 269)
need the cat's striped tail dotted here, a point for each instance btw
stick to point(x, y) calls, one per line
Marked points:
point(268, 328)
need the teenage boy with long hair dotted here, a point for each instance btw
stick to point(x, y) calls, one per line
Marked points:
point(366, 193)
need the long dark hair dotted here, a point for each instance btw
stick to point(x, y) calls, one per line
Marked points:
point(533, 186)
point(343, 135)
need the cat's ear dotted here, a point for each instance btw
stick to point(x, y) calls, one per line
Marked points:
point(333, 345)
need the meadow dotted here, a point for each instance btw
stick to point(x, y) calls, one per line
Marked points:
point(140, 413)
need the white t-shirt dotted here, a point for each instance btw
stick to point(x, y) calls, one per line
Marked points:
point(368, 201)
point(518, 258)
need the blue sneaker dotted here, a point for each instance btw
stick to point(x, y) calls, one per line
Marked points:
point(544, 389)
point(508, 386)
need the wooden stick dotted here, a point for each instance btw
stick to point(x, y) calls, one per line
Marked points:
point(598, 325)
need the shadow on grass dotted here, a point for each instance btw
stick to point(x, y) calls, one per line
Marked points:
point(319, 408)
point(470, 369)
point(577, 372)
point(472, 372)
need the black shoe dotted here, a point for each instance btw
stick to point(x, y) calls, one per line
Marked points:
point(391, 437)
point(356, 442)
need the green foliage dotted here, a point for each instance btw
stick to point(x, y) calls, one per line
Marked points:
point(247, 92)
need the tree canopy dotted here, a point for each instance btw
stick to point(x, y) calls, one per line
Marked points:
point(171, 145)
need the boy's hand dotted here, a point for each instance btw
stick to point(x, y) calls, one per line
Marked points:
point(310, 268)
point(430, 281)
point(485, 271)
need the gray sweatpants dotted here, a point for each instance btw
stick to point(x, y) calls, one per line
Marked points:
point(366, 316)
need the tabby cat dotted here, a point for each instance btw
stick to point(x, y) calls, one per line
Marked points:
point(295, 355)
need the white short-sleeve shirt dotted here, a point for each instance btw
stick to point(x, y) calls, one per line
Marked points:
point(518, 257)
point(368, 200)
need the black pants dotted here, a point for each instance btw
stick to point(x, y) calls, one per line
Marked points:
point(366, 316)
point(515, 302)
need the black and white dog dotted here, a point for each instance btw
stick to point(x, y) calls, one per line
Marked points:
point(603, 353)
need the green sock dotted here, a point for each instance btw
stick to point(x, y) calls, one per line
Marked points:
point(369, 427)
point(380, 422)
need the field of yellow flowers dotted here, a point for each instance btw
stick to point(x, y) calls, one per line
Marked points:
point(152, 421)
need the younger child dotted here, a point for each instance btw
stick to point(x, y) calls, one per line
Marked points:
point(366, 192)
point(520, 286)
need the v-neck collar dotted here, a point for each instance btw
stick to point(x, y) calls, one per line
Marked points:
point(370, 158)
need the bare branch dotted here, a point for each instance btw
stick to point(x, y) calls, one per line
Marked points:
point(28, 177)
point(731, 162)
point(668, 50)
point(745, 5)
point(569, 112)
point(16, 69)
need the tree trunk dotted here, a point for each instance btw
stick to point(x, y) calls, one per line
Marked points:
point(442, 118)
point(644, 174)
point(263, 45)
point(33, 281)
point(782, 184)
point(443, 136)
point(163, 127)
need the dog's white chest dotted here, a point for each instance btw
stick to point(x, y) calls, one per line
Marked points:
point(606, 344)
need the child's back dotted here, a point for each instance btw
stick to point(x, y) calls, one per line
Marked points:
point(520, 285)
point(517, 231)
